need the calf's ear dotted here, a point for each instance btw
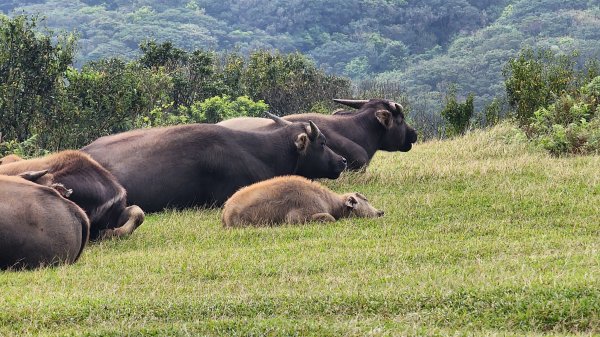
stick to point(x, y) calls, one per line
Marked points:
point(302, 142)
point(33, 175)
point(351, 202)
point(385, 118)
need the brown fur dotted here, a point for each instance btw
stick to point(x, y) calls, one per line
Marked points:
point(292, 199)
point(11, 158)
point(94, 189)
point(38, 226)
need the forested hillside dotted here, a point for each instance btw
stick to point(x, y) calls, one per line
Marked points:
point(422, 46)
point(352, 37)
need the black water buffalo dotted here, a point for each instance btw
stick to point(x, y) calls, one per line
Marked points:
point(38, 227)
point(204, 164)
point(94, 189)
point(377, 125)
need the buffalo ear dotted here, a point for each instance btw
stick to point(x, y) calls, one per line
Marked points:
point(385, 118)
point(302, 142)
point(351, 202)
point(33, 175)
point(60, 188)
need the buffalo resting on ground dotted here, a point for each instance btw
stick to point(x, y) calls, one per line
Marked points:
point(88, 185)
point(378, 124)
point(292, 199)
point(204, 164)
point(38, 226)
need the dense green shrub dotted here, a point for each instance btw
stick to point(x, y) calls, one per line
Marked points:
point(290, 83)
point(535, 79)
point(493, 112)
point(32, 67)
point(211, 110)
point(216, 109)
point(457, 115)
point(555, 100)
point(571, 124)
point(25, 149)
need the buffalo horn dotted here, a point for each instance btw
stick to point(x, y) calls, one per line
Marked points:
point(399, 107)
point(33, 175)
point(353, 103)
point(314, 131)
point(278, 120)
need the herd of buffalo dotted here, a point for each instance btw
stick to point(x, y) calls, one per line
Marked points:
point(259, 168)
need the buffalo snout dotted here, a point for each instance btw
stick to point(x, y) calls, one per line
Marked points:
point(341, 164)
point(411, 138)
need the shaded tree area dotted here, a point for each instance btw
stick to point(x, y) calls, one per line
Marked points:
point(43, 96)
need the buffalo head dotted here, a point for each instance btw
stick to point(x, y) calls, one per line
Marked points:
point(398, 135)
point(315, 158)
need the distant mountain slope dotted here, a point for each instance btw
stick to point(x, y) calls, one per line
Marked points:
point(474, 61)
point(419, 45)
point(355, 37)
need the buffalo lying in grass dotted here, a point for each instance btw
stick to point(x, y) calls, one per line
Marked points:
point(38, 226)
point(377, 125)
point(94, 189)
point(204, 164)
point(292, 199)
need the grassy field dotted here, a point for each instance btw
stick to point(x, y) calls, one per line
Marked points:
point(482, 236)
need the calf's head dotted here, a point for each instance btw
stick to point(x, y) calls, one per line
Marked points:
point(315, 158)
point(357, 205)
point(397, 135)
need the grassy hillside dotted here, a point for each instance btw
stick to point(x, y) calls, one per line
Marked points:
point(481, 235)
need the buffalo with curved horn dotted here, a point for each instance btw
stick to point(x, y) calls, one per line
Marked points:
point(377, 124)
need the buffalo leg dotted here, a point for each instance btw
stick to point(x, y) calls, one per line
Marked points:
point(294, 217)
point(131, 218)
point(324, 217)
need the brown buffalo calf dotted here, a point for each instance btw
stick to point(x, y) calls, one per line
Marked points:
point(86, 183)
point(292, 199)
point(38, 227)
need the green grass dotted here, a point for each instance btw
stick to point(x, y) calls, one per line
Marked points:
point(482, 236)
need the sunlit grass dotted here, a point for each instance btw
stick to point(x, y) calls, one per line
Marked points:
point(482, 235)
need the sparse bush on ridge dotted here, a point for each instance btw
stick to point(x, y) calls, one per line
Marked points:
point(457, 115)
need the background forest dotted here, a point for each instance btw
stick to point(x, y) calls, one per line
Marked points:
point(152, 62)
point(420, 46)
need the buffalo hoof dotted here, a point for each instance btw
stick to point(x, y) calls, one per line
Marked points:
point(131, 218)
